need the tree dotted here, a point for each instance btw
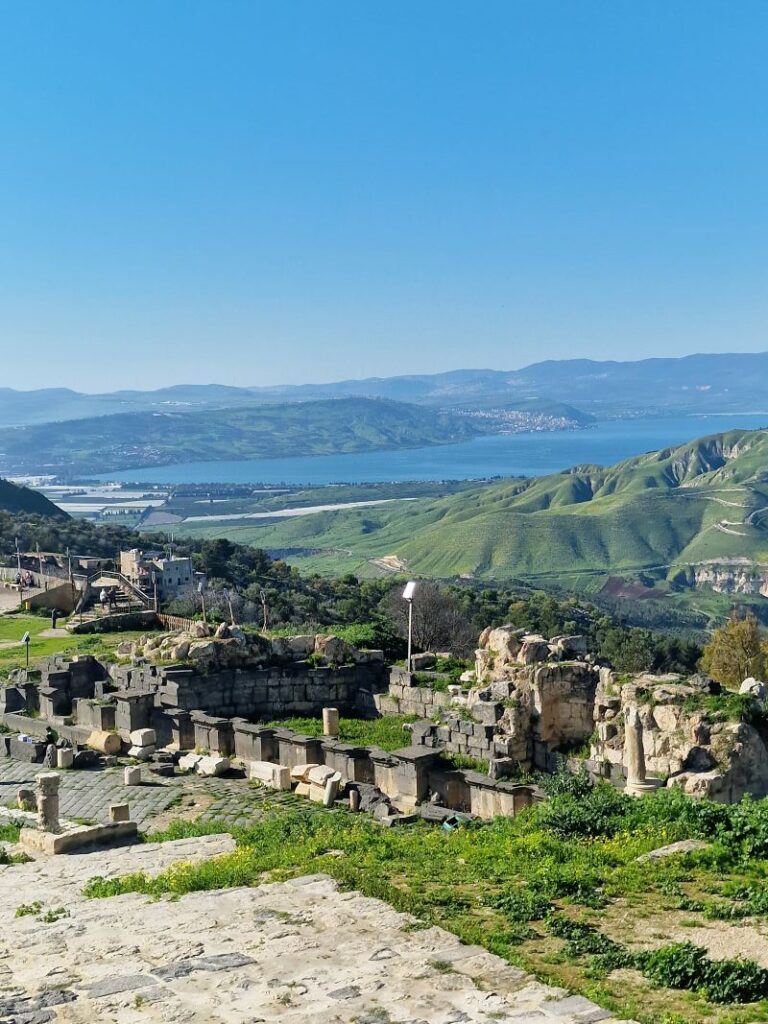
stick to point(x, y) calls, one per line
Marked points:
point(735, 652)
point(439, 621)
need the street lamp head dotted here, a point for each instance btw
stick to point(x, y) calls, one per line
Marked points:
point(25, 638)
point(410, 589)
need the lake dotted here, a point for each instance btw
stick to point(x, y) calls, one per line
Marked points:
point(534, 454)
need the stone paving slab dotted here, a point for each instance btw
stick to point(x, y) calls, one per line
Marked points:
point(294, 952)
point(87, 793)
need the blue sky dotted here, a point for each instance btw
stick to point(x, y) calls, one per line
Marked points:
point(263, 192)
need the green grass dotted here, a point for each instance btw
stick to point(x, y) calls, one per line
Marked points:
point(387, 732)
point(557, 890)
point(13, 627)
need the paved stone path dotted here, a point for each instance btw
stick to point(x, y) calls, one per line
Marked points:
point(87, 794)
point(295, 953)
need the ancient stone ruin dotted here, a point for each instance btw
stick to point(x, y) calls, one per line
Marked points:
point(188, 702)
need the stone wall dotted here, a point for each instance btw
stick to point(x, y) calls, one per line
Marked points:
point(528, 697)
point(258, 693)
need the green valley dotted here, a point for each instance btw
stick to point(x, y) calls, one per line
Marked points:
point(670, 516)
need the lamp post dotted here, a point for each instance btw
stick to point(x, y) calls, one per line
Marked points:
point(410, 590)
point(201, 592)
point(25, 640)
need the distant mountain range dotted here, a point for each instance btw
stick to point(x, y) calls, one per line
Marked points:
point(671, 514)
point(696, 383)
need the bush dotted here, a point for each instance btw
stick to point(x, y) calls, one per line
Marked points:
point(601, 811)
point(520, 904)
point(680, 965)
point(685, 966)
point(735, 981)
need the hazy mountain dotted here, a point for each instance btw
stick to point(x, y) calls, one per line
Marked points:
point(697, 383)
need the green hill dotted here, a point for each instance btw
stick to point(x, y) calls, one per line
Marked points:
point(657, 513)
point(16, 499)
point(134, 439)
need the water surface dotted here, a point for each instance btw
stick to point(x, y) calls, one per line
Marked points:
point(533, 454)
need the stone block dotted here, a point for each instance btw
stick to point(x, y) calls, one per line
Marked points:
point(65, 757)
point(189, 762)
point(319, 775)
point(85, 835)
point(213, 765)
point(332, 784)
point(132, 776)
point(300, 772)
point(275, 776)
point(317, 793)
point(143, 738)
point(119, 812)
point(302, 789)
point(141, 753)
point(26, 799)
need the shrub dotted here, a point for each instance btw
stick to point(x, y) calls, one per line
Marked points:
point(680, 965)
point(520, 904)
point(601, 811)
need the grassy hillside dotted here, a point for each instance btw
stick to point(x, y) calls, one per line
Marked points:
point(22, 499)
point(657, 512)
point(136, 439)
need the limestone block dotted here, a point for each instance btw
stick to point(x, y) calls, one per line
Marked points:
point(319, 775)
point(141, 753)
point(132, 776)
point(331, 789)
point(26, 799)
point(65, 757)
point(276, 776)
point(213, 765)
point(422, 662)
point(300, 772)
point(143, 738)
point(119, 812)
point(301, 645)
point(317, 793)
point(302, 789)
point(189, 762)
point(754, 688)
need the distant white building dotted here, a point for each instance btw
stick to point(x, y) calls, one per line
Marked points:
point(149, 569)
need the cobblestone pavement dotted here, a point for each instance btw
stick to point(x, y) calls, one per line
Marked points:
point(87, 794)
point(296, 952)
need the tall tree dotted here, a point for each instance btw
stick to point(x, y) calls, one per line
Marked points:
point(735, 651)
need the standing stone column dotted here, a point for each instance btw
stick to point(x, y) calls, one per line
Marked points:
point(48, 802)
point(331, 722)
point(634, 755)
